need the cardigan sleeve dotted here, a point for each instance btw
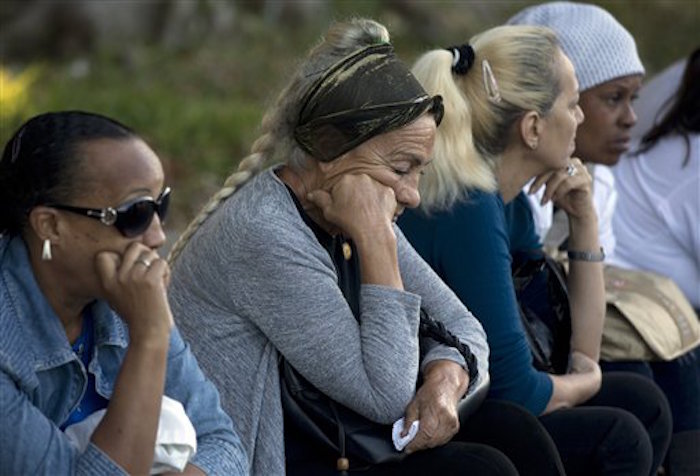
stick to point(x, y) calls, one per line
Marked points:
point(286, 284)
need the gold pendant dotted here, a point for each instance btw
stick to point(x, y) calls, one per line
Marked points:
point(347, 251)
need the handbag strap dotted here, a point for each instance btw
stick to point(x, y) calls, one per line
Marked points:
point(437, 331)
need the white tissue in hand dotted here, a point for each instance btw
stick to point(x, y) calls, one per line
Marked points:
point(400, 442)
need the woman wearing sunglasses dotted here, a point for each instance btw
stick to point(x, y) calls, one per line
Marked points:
point(85, 320)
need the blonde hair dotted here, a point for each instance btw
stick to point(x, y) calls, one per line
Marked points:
point(476, 127)
point(276, 143)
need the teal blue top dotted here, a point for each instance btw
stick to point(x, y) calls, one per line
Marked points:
point(91, 401)
point(470, 247)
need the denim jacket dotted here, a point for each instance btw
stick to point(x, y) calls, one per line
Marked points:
point(42, 381)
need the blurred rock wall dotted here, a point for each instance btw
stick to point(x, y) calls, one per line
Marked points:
point(62, 29)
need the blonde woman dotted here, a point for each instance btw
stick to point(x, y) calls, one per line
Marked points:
point(511, 114)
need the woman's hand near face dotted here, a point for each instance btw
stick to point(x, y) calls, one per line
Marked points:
point(134, 285)
point(571, 193)
point(358, 205)
point(363, 209)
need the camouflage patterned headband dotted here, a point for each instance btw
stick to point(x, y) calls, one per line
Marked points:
point(363, 95)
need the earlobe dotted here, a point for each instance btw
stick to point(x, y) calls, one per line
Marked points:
point(328, 169)
point(44, 222)
point(530, 126)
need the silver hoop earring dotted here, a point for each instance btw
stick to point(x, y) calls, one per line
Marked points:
point(46, 250)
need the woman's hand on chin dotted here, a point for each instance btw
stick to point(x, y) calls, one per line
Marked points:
point(134, 284)
point(358, 205)
point(569, 188)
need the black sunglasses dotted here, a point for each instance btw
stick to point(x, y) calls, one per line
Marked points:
point(132, 218)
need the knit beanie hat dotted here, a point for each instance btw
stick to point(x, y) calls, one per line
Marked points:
point(600, 48)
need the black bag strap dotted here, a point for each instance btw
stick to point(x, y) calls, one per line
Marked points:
point(437, 331)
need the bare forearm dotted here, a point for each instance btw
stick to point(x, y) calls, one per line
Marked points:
point(586, 289)
point(127, 433)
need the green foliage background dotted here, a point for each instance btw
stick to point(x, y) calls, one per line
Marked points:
point(199, 106)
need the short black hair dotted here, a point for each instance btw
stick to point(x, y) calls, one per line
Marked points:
point(40, 162)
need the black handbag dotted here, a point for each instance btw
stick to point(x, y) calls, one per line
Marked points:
point(356, 441)
point(543, 299)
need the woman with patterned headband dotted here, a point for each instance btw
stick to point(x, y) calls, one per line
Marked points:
point(304, 263)
point(94, 377)
point(511, 114)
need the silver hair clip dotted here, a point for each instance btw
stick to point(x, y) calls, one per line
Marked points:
point(490, 84)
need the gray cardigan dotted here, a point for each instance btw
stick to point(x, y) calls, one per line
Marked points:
point(254, 281)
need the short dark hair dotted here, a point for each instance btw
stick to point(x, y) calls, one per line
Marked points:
point(40, 162)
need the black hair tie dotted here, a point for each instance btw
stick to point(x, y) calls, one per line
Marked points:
point(463, 58)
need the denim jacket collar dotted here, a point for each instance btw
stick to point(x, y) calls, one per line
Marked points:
point(31, 328)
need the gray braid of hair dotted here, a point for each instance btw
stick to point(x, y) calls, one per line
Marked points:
point(248, 168)
point(277, 144)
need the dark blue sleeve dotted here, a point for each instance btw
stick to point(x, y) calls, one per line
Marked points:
point(469, 249)
point(521, 226)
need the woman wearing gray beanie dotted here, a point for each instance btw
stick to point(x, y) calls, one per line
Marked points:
point(610, 73)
